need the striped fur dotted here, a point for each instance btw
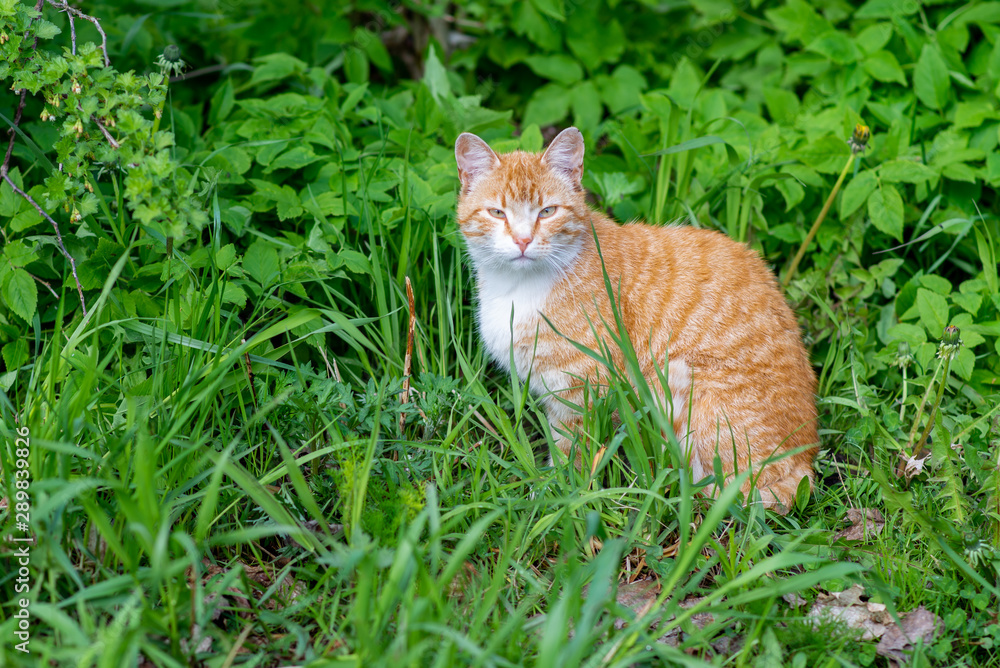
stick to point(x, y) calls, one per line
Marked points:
point(736, 360)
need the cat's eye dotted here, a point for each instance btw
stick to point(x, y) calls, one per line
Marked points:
point(496, 213)
point(546, 212)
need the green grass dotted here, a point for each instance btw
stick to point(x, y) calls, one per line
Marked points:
point(219, 475)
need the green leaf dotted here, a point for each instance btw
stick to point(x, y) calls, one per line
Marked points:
point(21, 294)
point(531, 139)
point(885, 208)
point(225, 258)
point(295, 158)
point(826, 155)
point(856, 192)
point(933, 309)
point(15, 353)
point(964, 363)
point(974, 114)
point(260, 262)
point(874, 37)
point(355, 262)
point(553, 8)
point(930, 78)
point(988, 257)
point(622, 89)
point(289, 205)
point(277, 66)
point(798, 20)
point(586, 104)
point(905, 171)
point(959, 172)
point(935, 283)
point(883, 66)
point(222, 103)
point(792, 191)
point(436, 76)
point(18, 253)
point(836, 46)
point(46, 30)
point(594, 40)
point(782, 105)
point(904, 331)
point(234, 294)
point(883, 9)
point(549, 105)
point(559, 68)
point(357, 67)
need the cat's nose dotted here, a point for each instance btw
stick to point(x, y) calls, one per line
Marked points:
point(522, 243)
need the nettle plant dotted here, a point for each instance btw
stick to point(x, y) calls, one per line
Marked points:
point(103, 126)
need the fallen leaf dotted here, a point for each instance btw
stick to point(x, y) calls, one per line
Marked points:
point(865, 523)
point(794, 600)
point(914, 466)
point(640, 596)
point(202, 643)
point(920, 625)
point(846, 607)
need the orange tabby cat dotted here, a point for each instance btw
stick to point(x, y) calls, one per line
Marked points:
point(737, 366)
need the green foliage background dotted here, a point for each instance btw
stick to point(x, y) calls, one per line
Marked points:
point(243, 251)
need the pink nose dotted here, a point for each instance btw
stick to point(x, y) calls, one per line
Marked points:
point(522, 243)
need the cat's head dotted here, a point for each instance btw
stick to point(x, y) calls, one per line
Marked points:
point(523, 212)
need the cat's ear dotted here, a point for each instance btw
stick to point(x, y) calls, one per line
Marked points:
point(474, 157)
point(565, 155)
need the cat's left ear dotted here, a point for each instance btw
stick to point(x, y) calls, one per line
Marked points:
point(565, 155)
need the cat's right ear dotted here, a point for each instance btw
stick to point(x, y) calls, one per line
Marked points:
point(565, 156)
point(475, 158)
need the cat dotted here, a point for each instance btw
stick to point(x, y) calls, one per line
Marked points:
point(737, 367)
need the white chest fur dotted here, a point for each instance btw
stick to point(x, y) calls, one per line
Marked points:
point(510, 304)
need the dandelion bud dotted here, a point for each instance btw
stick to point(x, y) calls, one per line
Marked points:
point(951, 342)
point(170, 60)
point(859, 140)
point(904, 357)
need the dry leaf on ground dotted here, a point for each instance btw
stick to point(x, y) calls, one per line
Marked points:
point(918, 625)
point(914, 466)
point(865, 523)
point(874, 621)
point(640, 596)
point(847, 607)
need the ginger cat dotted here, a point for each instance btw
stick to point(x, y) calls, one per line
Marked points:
point(737, 365)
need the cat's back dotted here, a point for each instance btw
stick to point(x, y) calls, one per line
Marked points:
point(698, 287)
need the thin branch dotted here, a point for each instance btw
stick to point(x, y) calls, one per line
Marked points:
point(197, 73)
point(71, 12)
point(13, 134)
point(46, 284)
point(20, 107)
point(107, 135)
point(72, 33)
point(59, 241)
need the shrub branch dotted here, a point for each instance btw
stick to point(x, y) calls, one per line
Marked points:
point(71, 13)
